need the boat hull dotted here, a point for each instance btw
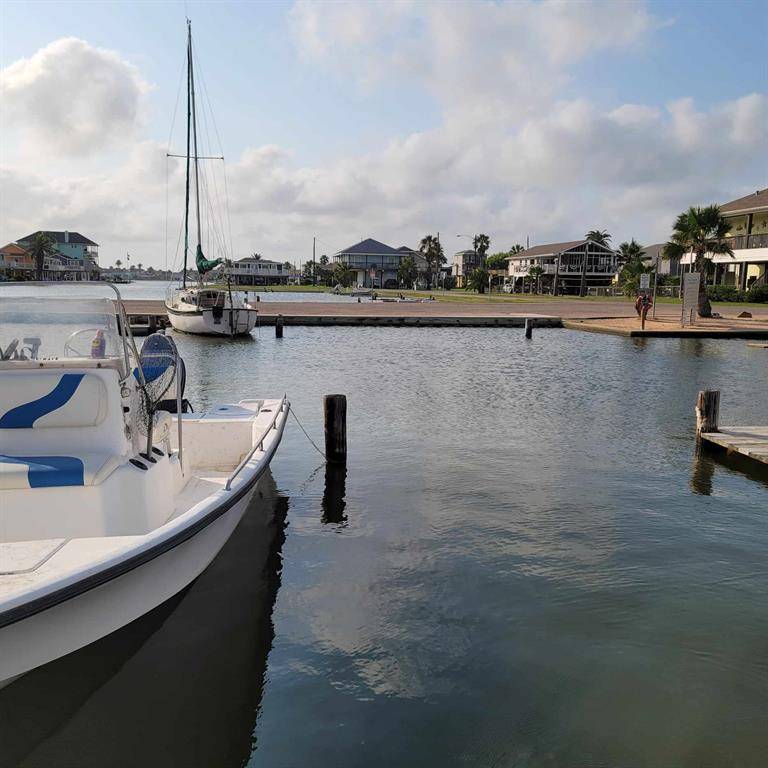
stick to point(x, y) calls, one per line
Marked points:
point(82, 619)
point(229, 322)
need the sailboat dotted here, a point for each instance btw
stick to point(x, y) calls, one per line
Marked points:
point(200, 309)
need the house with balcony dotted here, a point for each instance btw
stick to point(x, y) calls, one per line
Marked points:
point(748, 237)
point(376, 264)
point(76, 258)
point(16, 263)
point(464, 263)
point(573, 267)
point(253, 270)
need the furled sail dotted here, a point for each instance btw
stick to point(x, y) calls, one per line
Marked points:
point(205, 265)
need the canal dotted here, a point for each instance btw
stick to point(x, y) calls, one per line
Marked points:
point(524, 565)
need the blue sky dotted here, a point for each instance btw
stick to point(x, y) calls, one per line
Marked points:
point(398, 101)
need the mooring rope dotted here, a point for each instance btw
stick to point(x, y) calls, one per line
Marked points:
point(301, 427)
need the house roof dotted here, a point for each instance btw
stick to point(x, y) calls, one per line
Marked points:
point(74, 237)
point(652, 252)
point(369, 247)
point(12, 249)
point(748, 203)
point(550, 249)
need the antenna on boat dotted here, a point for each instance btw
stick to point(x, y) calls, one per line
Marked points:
point(189, 114)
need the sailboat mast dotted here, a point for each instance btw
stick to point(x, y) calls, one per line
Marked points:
point(194, 139)
point(189, 112)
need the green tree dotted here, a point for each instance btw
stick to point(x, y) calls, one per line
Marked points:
point(631, 256)
point(702, 232)
point(342, 275)
point(477, 280)
point(497, 260)
point(118, 263)
point(631, 251)
point(323, 259)
point(432, 251)
point(407, 272)
point(481, 244)
point(535, 273)
point(599, 236)
point(41, 247)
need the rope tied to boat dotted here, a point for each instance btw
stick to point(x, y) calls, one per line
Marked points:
point(301, 427)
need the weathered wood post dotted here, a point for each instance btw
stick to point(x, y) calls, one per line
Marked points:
point(528, 328)
point(707, 411)
point(279, 327)
point(335, 411)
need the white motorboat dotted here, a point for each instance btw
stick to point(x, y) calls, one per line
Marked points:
point(202, 309)
point(112, 498)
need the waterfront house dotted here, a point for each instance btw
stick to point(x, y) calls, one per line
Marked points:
point(573, 267)
point(16, 263)
point(463, 263)
point(253, 270)
point(376, 264)
point(76, 258)
point(748, 237)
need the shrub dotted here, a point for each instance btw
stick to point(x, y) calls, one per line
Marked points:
point(724, 293)
point(758, 294)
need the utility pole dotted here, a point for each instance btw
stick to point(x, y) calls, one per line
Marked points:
point(314, 263)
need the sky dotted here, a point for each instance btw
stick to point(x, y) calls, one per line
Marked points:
point(342, 120)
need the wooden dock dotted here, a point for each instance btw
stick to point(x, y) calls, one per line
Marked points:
point(750, 442)
point(151, 314)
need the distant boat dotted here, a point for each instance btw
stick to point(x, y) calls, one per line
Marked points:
point(201, 309)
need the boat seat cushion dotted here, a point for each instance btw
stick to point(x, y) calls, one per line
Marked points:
point(55, 471)
point(35, 400)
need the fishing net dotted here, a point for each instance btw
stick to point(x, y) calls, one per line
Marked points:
point(159, 360)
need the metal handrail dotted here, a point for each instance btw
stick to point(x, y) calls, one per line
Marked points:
point(258, 447)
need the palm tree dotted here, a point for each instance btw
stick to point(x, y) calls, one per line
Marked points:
point(481, 244)
point(630, 251)
point(599, 236)
point(324, 259)
point(139, 266)
point(516, 248)
point(702, 232)
point(41, 247)
point(477, 280)
point(535, 274)
point(432, 250)
point(342, 274)
point(118, 263)
point(407, 271)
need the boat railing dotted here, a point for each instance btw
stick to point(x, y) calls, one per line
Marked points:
point(258, 446)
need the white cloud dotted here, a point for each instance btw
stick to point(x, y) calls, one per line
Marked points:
point(70, 97)
point(515, 153)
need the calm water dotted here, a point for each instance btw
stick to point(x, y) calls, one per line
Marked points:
point(526, 567)
point(152, 289)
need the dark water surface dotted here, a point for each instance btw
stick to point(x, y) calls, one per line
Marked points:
point(526, 566)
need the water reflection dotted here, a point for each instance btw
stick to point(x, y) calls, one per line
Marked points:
point(180, 686)
point(703, 472)
point(334, 502)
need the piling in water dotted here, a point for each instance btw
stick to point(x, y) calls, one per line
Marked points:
point(707, 411)
point(528, 328)
point(279, 327)
point(335, 411)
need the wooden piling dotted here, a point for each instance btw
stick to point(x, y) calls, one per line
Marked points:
point(279, 327)
point(335, 411)
point(707, 411)
point(528, 328)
